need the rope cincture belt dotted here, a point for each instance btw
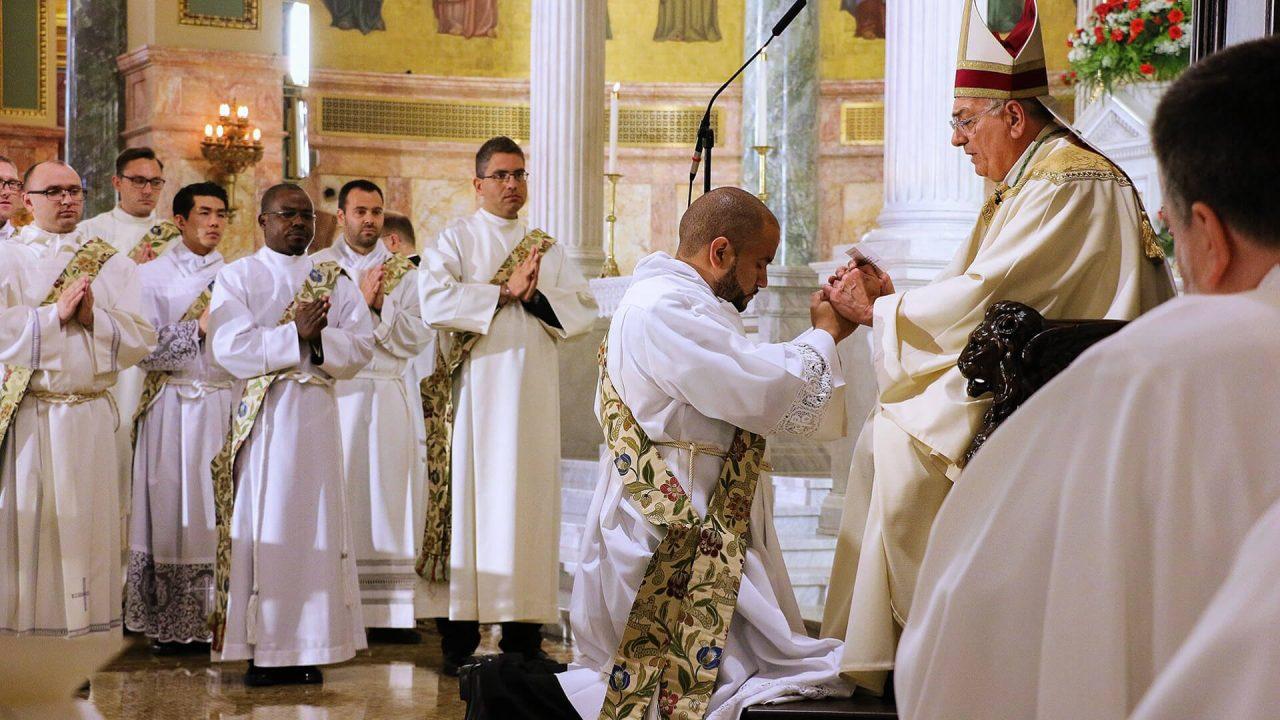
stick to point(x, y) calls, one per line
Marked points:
point(695, 449)
point(77, 398)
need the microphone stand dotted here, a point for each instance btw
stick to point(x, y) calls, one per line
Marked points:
point(706, 135)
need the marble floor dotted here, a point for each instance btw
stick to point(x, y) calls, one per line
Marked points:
point(388, 682)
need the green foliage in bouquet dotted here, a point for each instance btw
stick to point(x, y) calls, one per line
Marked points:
point(1130, 41)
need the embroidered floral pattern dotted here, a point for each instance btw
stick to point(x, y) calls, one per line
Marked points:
point(319, 284)
point(88, 262)
point(168, 602)
point(805, 413)
point(158, 238)
point(675, 632)
point(178, 345)
point(437, 408)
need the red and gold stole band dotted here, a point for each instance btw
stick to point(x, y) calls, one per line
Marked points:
point(675, 633)
point(158, 239)
point(87, 262)
point(318, 286)
point(437, 409)
point(153, 382)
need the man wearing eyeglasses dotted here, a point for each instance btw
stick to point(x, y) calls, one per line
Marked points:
point(70, 320)
point(505, 295)
point(1064, 231)
point(10, 197)
point(285, 591)
point(379, 443)
point(139, 182)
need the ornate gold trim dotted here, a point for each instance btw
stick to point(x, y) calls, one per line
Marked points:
point(41, 110)
point(248, 20)
point(1000, 94)
point(854, 114)
point(1011, 69)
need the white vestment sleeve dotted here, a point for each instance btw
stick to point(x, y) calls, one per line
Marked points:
point(122, 336)
point(241, 346)
point(710, 365)
point(567, 292)
point(348, 338)
point(400, 329)
point(448, 303)
point(29, 337)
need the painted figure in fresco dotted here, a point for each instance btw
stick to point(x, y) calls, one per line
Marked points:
point(869, 15)
point(687, 21)
point(362, 15)
point(468, 18)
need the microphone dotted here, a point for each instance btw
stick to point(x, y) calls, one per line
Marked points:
point(782, 24)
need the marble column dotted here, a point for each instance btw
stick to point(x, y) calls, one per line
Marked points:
point(792, 87)
point(932, 195)
point(95, 36)
point(566, 144)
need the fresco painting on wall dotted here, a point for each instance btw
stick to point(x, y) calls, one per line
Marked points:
point(362, 15)
point(869, 14)
point(467, 18)
point(687, 21)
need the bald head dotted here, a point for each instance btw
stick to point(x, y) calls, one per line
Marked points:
point(728, 212)
point(60, 211)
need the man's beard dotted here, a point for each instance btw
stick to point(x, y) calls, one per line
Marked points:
point(728, 289)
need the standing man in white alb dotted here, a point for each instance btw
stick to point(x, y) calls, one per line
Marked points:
point(379, 445)
point(183, 417)
point(507, 295)
point(70, 319)
point(10, 197)
point(139, 181)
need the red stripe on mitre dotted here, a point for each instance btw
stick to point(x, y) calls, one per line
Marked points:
point(1005, 82)
point(1018, 36)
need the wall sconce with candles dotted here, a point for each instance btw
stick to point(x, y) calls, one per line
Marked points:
point(231, 146)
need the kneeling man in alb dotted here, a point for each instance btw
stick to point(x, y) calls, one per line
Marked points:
point(681, 602)
point(70, 319)
point(1079, 549)
point(286, 594)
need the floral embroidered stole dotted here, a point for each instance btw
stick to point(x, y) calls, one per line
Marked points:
point(394, 269)
point(437, 409)
point(676, 630)
point(158, 239)
point(87, 262)
point(318, 286)
point(154, 381)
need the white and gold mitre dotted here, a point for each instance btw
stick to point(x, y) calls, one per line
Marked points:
point(1008, 67)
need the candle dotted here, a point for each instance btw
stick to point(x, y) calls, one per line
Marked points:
point(613, 129)
point(224, 110)
point(257, 134)
point(242, 112)
point(220, 131)
point(208, 131)
point(762, 102)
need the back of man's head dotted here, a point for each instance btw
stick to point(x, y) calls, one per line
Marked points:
point(1215, 140)
point(728, 212)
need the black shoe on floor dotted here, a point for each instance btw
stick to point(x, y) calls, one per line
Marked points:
point(394, 636)
point(453, 665)
point(257, 676)
point(540, 661)
point(169, 649)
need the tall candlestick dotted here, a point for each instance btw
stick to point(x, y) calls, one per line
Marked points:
point(762, 101)
point(613, 129)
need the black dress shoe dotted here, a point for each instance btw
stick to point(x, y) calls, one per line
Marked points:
point(540, 661)
point(257, 676)
point(453, 665)
point(394, 636)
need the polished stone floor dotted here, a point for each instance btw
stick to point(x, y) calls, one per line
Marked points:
point(387, 682)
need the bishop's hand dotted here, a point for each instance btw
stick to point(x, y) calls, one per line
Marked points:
point(854, 294)
point(312, 317)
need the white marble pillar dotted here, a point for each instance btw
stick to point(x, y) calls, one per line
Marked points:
point(932, 195)
point(566, 144)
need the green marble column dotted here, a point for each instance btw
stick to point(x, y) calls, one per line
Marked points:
point(792, 125)
point(95, 105)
